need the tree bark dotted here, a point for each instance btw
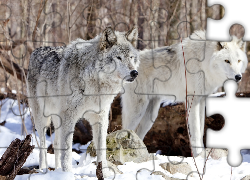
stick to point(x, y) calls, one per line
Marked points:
point(6, 65)
point(15, 156)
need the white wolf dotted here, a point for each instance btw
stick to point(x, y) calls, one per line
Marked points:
point(76, 81)
point(208, 63)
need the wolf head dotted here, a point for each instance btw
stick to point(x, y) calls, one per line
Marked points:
point(118, 54)
point(230, 60)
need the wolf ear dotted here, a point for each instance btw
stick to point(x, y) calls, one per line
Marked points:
point(219, 46)
point(108, 38)
point(242, 45)
point(132, 36)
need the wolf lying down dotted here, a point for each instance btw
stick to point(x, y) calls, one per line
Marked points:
point(76, 81)
point(208, 65)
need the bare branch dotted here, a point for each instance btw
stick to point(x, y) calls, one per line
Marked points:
point(42, 5)
point(8, 67)
point(15, 44)
point(171, 18)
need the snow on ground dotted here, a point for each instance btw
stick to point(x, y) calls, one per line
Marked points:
point(85, 170)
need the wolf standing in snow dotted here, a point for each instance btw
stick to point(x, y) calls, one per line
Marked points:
point(208, 65)
point(76, 81)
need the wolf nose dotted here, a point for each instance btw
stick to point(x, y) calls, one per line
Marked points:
point(238, 77)
point(134, 74)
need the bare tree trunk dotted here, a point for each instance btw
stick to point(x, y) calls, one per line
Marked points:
point(172, 21)
point(162, 23)
point(182, 29)
point(189, 23)
point(91, 20)
point(154, 23)
point(68, 21)
point(59, 33)
point(203, 14)
point(195, 15)
point(133, 17)
point(141, 19)
point(47, 23)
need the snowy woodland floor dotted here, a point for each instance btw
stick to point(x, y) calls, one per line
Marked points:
point(85, 170)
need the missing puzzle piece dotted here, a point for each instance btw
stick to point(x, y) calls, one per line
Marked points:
point(235, 12)
point(235, 112)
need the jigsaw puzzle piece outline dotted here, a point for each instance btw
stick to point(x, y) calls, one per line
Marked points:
point(2, 4)
point(43, 114)
point(200, 59)
point(102, 64)
point(215, 138)
point(48, 13)
point(206, 89)
point(23, 56)
point(87, 111)
point(162, 64)
point(201, 169)
point(165, 173)
point(58, 129)
point(219, 29)
point(151, 94)
point(58, 132)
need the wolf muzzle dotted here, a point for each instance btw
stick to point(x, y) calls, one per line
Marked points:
point(133, 75)
point(238, 77)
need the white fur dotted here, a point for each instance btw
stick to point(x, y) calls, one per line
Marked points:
point(206, 71)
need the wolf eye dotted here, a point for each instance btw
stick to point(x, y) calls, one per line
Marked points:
point(118, 57)
point(239, 61)
point(227, 61)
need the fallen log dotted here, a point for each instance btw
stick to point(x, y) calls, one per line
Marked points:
point(14, 157)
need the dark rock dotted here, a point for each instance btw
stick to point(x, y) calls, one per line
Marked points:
point(83, 132)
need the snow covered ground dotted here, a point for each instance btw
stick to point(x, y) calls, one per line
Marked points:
point(85, 170)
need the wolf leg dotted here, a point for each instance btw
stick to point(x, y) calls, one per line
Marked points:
point(202, 118)
point(41, 127)
point(57, 122)
point(99, 124)
point(149, 117)
point(67, 130)
point(194, 123)
point(133, 109)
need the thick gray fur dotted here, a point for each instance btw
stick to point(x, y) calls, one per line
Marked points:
point(79, 80)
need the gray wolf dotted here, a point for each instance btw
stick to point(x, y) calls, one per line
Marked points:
point(208, 65)
point(79, 81)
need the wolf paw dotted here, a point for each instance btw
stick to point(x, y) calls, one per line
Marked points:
point(107, 172)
